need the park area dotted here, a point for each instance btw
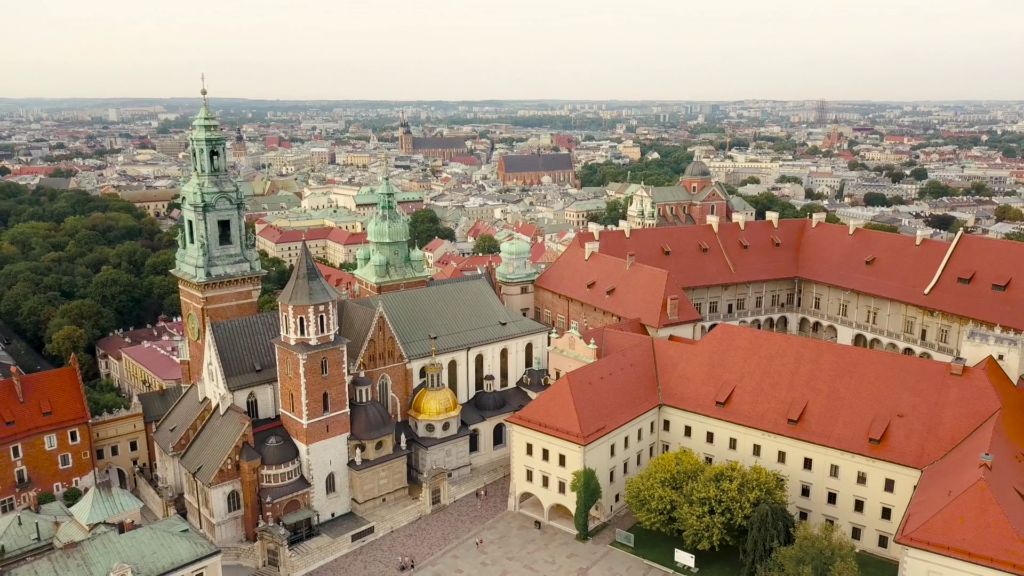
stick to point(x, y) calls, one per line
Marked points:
point(659, 548)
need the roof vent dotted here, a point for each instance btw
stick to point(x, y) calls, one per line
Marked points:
point(666, 249)
point(703, 246)
point(869, 260)
point(796, 409)
point(965, 278)
point(590, 284)
point(776, 241)
point(630, 259)
point(744, 244)
point(956, 366)
point(986, 460)
point(608, 291)
point(257, 366)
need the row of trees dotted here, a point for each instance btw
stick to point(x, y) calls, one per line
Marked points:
point(935, 189)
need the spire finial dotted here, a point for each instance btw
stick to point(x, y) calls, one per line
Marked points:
point(432, 339)
point(202, 92)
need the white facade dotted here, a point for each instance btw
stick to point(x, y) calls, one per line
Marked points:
point(923, 563)
point(320, 459)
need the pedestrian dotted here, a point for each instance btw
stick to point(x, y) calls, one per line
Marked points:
point(412, 564)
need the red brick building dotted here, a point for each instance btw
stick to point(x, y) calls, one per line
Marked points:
point(529, 169)
point(45, 443)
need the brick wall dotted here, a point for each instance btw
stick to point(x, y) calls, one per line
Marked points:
point(588, 316)
point(214, 301)
point(43, 466)
point(307, 367)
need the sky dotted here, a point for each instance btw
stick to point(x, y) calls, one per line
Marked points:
point(519, 49)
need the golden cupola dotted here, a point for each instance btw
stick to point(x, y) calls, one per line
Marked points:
point(435, 404)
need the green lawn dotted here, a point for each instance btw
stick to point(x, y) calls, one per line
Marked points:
point(871, 565)
point(659, 547)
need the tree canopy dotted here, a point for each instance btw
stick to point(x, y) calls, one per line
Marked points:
point(587, 488)
point(940, 221)
point(769, 527)
point(821, 550)
point(486, 244)
point(424, 226)
point(789, 180)
point(663, 171)
point(882, 227)
point(1007, 213)
point(750, 180)
point(920, 173)
point(614, 211)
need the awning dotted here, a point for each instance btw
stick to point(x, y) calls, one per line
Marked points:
point(297, 516)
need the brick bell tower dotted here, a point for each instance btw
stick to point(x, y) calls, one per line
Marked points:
point(313, 384)
point(217, 266)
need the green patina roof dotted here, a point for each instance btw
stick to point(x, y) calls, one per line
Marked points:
point(102, 502)
point(595, 204)
point(158, 548)
point(21, 538)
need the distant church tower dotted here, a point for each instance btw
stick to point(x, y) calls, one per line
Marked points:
point(404, 136)
point(217, 266)
point(313, 384)
point(515, 276)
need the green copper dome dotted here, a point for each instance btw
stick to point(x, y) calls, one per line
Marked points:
point(515, 263)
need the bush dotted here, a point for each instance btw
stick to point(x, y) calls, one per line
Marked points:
point(72, 496)
point(45, 498)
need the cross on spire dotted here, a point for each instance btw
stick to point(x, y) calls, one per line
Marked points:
point(202, 78)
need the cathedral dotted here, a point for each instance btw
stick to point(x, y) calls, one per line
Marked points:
point(330, 407)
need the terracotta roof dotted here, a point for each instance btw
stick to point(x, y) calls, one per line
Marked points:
point(159, 357)
point(50, 400)
point(113, 344)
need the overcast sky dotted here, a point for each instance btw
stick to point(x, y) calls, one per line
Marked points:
point(480, 49)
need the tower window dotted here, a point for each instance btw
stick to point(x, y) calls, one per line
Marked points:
point(302, 326)
point(191, 233)
point(323, 366)
point(323, 324)
point(327, 403)
point(224, 232)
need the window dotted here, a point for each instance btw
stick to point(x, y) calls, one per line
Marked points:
point(329, 483)
point(872, 316)
point(708, 459)
point(384, 389)
point(664, 425)
point(498, 436)
point(732, 443)
point(224, 232)
point(908, 325)
point(21, 476)
point(133, 445)
point(805, 491)
point(855, 533)
point(817, 302)
point(115, 450)
point(529, 449)
point(664, 447)
point(713, 307)
point(944, 334)
point(99, 454)
point(625, 467)
point(51, 441)
point(883, 541)
point(782, 457)
point(775, 300)
point(886, 513)
point(611, 476)
point(322, 324)
point(16, 452)
point(858, 505)
point(561, 486)
point(639, 458)
point(639, 434)
point(235, 499)
point(790, 298)
point(844, 308)
point(73, 436)
point(252, 406)
point(547, 317)
point(529, 476)
point(561, 322)
point(890, 485)
point(741, 304)
point(709, 437)
point(759, 302)
point(862, 478)
point(808, 464)
point(833, 470)
point(302, 326)
point(650, 451)
point(561, 460)
point(474, 441)
point(544, 481)
point(687, 431)
point(652, 427)
point(698, 306)
point(326, 403)
point(191, 233)
point(757, 450)
point(7, 505)
point(613, 449)
point(574, 326)
point(625, 442)
point(802, 515)
point(64, 460)
point(832, 498)
point(323, 366)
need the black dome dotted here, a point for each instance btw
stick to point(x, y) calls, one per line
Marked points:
point(489, 401)
point(362, 380)
point(697, 169)
point(277, 449)
point(370, 421)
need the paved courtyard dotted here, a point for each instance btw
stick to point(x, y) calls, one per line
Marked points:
point(443, 544)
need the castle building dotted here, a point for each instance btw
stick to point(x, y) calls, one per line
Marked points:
point(217, 266)
point(444, 148)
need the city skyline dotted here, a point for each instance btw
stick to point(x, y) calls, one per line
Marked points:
point(793, 50)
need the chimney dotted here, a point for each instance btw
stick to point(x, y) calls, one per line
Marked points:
point(630, 259)
point(922, 233)
point(773, 217)
point(589, 248)
point(713, 221)
point(970, 221)
point(594, 228)
point(986, 460)
point(740, 218)
point(625, 227)
point(129, 525)
point(16, 377)
point(817, 218)
point(956, 366)
point(855, 223)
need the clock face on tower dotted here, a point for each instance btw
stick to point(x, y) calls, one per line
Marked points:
point(192, 324)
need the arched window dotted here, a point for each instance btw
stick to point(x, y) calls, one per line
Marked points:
point(327, 403)
point(329, 483)
point(478, 372)
point(234, 501)
point(529, 355)
point(384, 389)
point(503, 364)
point(423, 373)
point(284, 322)
point(252, 406)
point(302, 326)
point(323, 366)
point(453, 375)
point(712, 209)
point(474, 441)
point(323, 324)
point(498, 436)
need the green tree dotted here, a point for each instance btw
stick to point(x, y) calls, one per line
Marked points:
point(45, 498)
point(1007, 213)
point(875, 199)
point(424, 226)
point(587, 488)
point(897, 176)
point(881, 227)
point(655, 494)
point(769, 527)
point(614, 211)
point(935, 189)
point(67, 341)
point(980, 188)
point(119, 292)
point(920, 173)
point(486, 244)
point(1009, 152)
point(103, 396)
point(72, 495)
point(940, 221)
point(822, 550)
point(4, 171)
point(267, 303)
point(750, 180)
point(789, 180)
point(831, 218)
point(1014, 236)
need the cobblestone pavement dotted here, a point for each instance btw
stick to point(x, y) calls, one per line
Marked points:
point(423, 538)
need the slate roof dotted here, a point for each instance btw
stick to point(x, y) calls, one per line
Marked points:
point(356, 322)
point(159, 548)
point(515, 163)
point(173, 425)
point(246, 349)
point(450, 143)
point(307, 285)
point(156, 403)
point(214, 442)
point(461, 315)
point(21, 538)
point(514, 399)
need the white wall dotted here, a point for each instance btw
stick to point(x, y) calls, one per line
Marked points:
point(320, 459)
point(266, 399)
point(923, 563)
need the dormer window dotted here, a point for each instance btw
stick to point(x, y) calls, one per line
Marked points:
point(703, 247)
point(965, 278)
point(869, 260)
point(776, 241)
point(744, 244)
point(1000, 284)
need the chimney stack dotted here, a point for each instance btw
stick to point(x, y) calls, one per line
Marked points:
point(630, 259)
point(595, 229)
point(817, 218)
point(129, 525)
point(713, 221)
point(986, 460)
point(773, 217)
point(16, 377)
point(740, 218)
point(589, 248)
point(855, 223)
point(625, 227)
point(921, 234)
point(956, 366)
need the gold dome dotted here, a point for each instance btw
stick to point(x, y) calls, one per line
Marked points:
point(434, 404)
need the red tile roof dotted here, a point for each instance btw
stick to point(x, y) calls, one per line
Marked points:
point(344, 282)
point(58, 390)
point(159, 357)
point(113, 344)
